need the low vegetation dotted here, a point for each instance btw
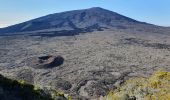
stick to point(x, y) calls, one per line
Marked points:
point(19, 90)
point(155, 87)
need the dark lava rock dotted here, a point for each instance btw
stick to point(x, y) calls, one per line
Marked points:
point(62, 84)
point(47, 61)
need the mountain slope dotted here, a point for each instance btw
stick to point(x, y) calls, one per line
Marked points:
point(89, 19)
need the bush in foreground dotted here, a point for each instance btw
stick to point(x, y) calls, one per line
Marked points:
point(19, 90)
point(155, 87)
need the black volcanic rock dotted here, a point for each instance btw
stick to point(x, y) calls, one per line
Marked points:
point(80, 20)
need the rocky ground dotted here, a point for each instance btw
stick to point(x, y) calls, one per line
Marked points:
point(90, 65)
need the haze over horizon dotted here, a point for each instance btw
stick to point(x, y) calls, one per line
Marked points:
point(153, 11)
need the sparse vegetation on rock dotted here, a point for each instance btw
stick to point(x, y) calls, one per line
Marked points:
point(155, 87)
point(94, 63)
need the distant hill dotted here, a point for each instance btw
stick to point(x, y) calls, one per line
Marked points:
point(77, 21)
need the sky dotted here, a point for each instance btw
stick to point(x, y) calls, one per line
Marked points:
point(150, 11)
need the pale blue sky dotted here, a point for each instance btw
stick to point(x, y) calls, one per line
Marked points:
point(151, 11)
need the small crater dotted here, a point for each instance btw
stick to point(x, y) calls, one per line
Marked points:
point(47, 61)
